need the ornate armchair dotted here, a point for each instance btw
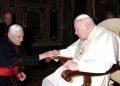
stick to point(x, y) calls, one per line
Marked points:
point(114, 25)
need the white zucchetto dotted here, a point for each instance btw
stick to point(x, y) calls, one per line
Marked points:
point(82, 16)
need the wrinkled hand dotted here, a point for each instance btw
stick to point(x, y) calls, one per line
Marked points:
point(70, 65)
point(21, 76)
point(55, 52)
point(50, 54)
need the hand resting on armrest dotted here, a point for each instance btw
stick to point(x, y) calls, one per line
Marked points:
point(68, 74)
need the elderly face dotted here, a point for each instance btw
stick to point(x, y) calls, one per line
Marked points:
point(17, 37)
point(81, 29)
point(8, 18)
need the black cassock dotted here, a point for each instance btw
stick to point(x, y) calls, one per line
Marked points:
point(10, 56)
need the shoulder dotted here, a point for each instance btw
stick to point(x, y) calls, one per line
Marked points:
point(76, 42)
point(104, 31)
point(102, 34)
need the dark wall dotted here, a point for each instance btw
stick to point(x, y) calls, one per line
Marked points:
point(47, 23)
point(80, 7)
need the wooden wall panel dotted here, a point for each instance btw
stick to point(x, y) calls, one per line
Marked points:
point(43, 20)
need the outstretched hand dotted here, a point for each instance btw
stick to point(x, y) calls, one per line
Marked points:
point(50, 54)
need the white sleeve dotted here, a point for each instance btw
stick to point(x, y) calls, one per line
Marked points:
point(70, 50)
point(93, 66)
point(65, 52)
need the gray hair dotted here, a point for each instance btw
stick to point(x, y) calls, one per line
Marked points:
point(15, 28)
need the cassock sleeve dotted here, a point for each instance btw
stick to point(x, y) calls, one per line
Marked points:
point(27, 61)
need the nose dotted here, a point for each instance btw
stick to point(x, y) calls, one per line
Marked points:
point(75, 32)
point(21, 39)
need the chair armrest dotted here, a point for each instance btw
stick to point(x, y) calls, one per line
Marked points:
point(68, 75)
point(115, 76)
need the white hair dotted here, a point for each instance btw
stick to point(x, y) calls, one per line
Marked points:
point(14, 28)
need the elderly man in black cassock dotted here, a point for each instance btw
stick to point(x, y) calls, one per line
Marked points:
point(12, 57)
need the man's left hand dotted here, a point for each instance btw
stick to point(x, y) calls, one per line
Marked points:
point(70, 65)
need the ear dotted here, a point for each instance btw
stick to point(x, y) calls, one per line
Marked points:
point(9, 36)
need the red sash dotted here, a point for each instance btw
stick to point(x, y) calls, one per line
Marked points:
point(8, 71)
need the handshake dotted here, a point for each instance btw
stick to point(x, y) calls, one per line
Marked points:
point(49, 54)
point(53, 55)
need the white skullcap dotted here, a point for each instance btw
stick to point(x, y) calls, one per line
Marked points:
point(82, 16)
point(14, 28)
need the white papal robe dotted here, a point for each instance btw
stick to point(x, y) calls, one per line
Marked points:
point(100, 53)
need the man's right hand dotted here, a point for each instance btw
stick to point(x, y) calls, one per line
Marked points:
point(49, 54)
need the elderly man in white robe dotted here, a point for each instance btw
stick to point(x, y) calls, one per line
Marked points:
point(96, 50)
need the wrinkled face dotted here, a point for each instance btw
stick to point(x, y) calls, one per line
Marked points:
point(17, 37)
point(81, 29)
point(8, 18)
